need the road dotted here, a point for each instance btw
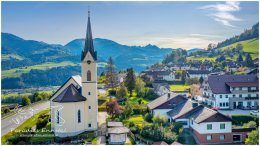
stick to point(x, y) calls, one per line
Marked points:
point(22, 115)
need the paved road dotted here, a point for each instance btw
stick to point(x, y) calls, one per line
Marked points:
point(17, 119)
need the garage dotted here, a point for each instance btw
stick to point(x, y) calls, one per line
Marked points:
point(237, 137)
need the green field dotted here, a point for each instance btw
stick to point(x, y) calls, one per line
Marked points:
point(250, 46)
point(9, 56)
point(190, 58)
point(16, 72)
point(179, 87)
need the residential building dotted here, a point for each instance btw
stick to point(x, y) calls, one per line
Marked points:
point(232, 91)
point(161, 88)
point(161, 75)
point(197, 73)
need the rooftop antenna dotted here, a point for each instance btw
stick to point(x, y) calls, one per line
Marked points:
point(88, 11)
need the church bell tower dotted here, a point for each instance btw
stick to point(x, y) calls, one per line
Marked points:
point(89, 80)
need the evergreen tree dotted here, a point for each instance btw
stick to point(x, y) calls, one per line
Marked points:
point(240, 58)
point(111, 80)
point(249, 61)
point(130, 80)
point(201, 80)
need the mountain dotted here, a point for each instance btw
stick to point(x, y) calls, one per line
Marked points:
point(30, 52)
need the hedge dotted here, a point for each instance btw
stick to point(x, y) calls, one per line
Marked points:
point(242, 119)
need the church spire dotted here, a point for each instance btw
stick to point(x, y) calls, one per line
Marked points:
point(88, 46)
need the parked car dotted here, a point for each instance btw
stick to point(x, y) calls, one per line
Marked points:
point(255, 113)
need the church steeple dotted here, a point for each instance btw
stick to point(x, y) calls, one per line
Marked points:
point(88, 46)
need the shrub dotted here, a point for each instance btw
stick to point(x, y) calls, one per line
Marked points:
point(243, 119)
point(177, 128)
point(41, 123)
point(101, 108)
point(6, 110)
point(112, 92)
point(251, 124)
point(26, 101)
point(148, 117)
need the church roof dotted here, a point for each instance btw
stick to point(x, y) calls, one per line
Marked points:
point(89, 47)
point(70, 94)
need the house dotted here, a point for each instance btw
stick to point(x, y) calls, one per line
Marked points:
point(161, 88)
point(74, 106)
point(165, 103)
point(232, 91)
point(206, 125)
point(197, 73)
point(117, 133)
point(160, 75)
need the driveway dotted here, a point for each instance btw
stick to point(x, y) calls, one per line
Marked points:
point(235, 112)
point(13, 121)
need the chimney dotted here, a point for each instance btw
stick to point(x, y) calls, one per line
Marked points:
point(169, 95)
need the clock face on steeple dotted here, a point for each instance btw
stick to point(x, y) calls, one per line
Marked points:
point(88, 61)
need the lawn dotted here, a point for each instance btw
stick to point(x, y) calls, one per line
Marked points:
point(200, 58)
point(43, 135)
point(136, 119)
point(250, 46)
point(9, 56)
point(16, 72)
point(179, 87)
point(135, 100)
point(27, 124)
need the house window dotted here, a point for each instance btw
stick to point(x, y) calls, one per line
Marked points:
point(222, 126)
point(240, 88)
point(192, 122)
point(240, 95)
point(88, 75)
point(58, 117)
point(234, 95)
point(89, 125)
point(89, 93)
point(209, 126)
point(226, 96)
point(89, 107)
point(209, 137)
point(222, 137)
point(220, 96)
point(79, 116)
point(226, 103)
point(220, 104)
point(249, 95)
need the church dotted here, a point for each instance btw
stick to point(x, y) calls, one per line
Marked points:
point(74, 106)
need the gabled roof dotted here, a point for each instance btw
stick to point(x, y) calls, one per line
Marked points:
point(180, 109)
point(117, 130)
point(242, 84)
point(166, 101)
point(70, 94)
point(76, 78)
point(217, 83)
point(198, 72)
point(202, 114)
point(114, 124)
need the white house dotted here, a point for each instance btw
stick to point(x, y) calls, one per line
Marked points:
point(232, 91)
point(197, 73)
point(74, 106)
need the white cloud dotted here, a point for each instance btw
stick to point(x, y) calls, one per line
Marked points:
point(223, 12)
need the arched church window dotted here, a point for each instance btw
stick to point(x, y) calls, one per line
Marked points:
point(88, 75)
point(79, 116)
point(58, 117)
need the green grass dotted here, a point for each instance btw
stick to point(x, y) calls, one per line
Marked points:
point(16, 72)
point(250, 46)
point(3, 96)
point(43, 135)
point(136, 119)
point(9, 56)
point(134, 100)
point(27, 124)
point(179, 87)
point(199, 58)
point(129, 141)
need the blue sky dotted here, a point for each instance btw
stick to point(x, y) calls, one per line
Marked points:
point(166, 24)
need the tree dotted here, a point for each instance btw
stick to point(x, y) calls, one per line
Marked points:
point(113, 108)
point(128, 110)
point(201, 80)
point(251, 124)
point(26, 101)
point(191, 81)
point(195, 90)
point(159, 119)
point(148, 117)
point(240, 58)
point(121, 93)
point(130, 80)
point(249, 61)
point(253, 138)
point(239, 47)
point(139, 87)
point(111, 80)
